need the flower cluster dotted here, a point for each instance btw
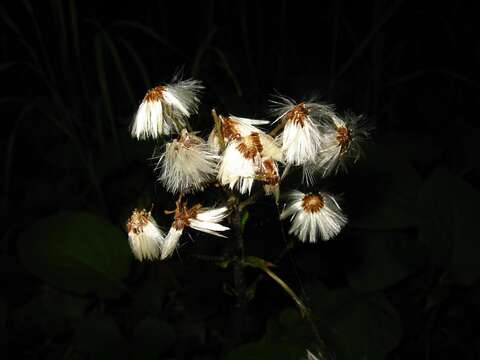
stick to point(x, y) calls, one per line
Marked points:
point(239, 152)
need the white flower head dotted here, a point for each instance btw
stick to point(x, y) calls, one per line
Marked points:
point(187, 164)
point(341, 139)
point(240, 162)
point(145, 237)
point(301, 138)
point(314, 216)
point(197, 217)
point(166, 108)
point(207, 220)
point(233, 128)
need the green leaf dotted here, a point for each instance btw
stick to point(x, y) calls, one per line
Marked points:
point(267, 351)
point(448, 215)
point(383, 258)
point(359, 326)
point(100, 339)
point(77, 251)
point(151, 338)
point(383, 191)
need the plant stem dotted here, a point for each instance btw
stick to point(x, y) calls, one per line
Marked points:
point(238, 271)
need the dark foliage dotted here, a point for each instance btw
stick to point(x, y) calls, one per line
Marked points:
point(402, 280)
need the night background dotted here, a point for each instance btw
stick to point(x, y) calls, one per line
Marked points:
point(401, 281)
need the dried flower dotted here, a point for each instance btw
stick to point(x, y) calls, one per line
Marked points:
point(145, 237)
point(166, 108)
point(187, 164)
point(341, 140)
point(313, 216)
point(268, 173)
point(240, 161)
point(233, 128)
point(301, 138)
point(197, 217)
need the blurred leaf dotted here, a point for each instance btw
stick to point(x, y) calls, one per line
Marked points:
point(62, 304)
point(383, 191)
point(383, 259)
point(288, 327)
point(420, 149)
point(267, 351)
point(100, 339)
point(149, 299)
point(448, 215)
point(360, 326)
point(151, 338)
point(77, 251)
point(51, 312)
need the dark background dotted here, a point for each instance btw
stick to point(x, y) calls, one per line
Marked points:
point(400, 282)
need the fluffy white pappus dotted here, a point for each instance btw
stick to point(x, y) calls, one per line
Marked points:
point(233, 128)
point(246, 126)
point(187, 164)
point(171, 241)
point(207, 220)
point(166, 108)
point(314, 216)
point(272, 148)
point(301, 139)
point(237, 170)
point(281, 105)
point(300, 143)
point(184, 96)
point(144, 236)
point(341, 140)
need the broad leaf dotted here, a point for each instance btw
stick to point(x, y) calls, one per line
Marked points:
point(77, 251)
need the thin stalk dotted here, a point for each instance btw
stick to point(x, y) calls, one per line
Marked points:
point(238, 270)
point(304, 311)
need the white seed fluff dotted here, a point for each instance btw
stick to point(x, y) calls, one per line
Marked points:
point(314, 216)
point(171, 241)
point(166, 108)
point(207, 220)
point(234, 127)
point(144, 236)
point(301, 139)
point(340, 140)
point(187, 164)
point(236, 170)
